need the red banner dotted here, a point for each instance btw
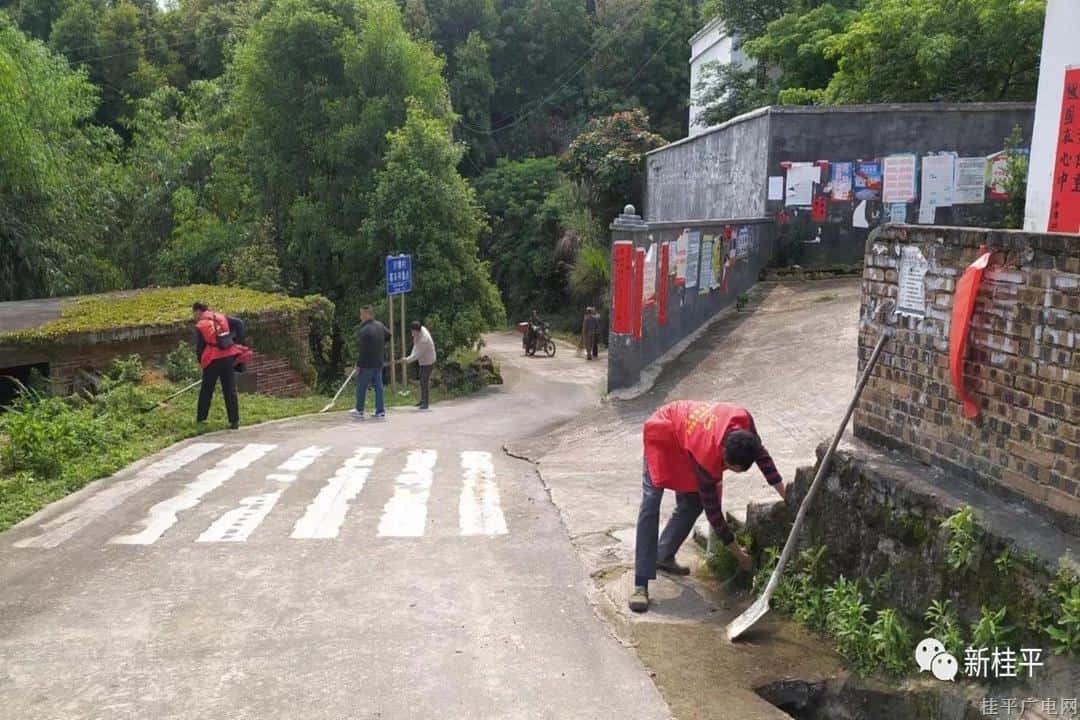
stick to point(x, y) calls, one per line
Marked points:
point(623, 257)
point(639, 287)
point(967, 290)
point(661, 290)
point(1065, 200)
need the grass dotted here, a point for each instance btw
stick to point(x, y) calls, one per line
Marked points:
point(827, 297)
point(52, 447)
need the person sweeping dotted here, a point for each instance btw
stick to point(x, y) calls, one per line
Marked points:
point(688, 447)
point(217, 345)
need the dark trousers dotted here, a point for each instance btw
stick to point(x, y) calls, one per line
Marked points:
point(365, 378)
point(222, 369)
point(595, 343)
point(687, 509)
point(425, 384)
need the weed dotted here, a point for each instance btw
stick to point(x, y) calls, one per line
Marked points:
point(1066, 631)
point(741, 301)
point(126, 370)
point(827, 297)
point(845, 620)
point(890, 642)
point(944, 626)
point(991, 631)
point(1005, 561)
point(963, 535)
point(180, 364)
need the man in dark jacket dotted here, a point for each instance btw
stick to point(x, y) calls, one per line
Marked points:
point(371, 339)
point(590, 333)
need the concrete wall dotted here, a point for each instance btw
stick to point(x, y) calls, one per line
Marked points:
point(1022, 366)
point(1059, 49)
point(688, 309)
point(718, 174)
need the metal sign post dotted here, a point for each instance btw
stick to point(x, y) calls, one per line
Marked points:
point(398, 282)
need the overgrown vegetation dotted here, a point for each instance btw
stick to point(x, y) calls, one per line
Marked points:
point(963, 536)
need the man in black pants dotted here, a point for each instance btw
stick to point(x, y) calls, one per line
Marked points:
point(218, 343)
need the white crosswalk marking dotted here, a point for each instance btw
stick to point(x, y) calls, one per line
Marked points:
point(237, 524)
point(67, 524)
point(163, 515)
point(479, 510)
point(405, 514)
point(326, 513)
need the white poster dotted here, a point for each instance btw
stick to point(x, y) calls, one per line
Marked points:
point(970, 181)
point(898, 213)
point(938, 183)
point(682, 249)
point(649, 278)
point(899, 179)
point(693, 258)
point(801, 179)
point(776, 187)
point(912, 295)
point(707, 280)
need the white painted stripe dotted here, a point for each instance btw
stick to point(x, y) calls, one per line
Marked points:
point(163, 515)
point(237, 524)
point(479, 510)
point(326, 513)
point(96, 506)
point(405, 514)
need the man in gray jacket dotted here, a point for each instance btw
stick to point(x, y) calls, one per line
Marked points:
point(423, 353)
point(371, 339)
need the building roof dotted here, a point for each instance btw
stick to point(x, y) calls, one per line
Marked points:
point(709, 27)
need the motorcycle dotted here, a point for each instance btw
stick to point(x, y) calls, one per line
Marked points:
point(538, 339)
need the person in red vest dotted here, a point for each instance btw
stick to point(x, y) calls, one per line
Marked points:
point(217, 345)
point(688, 446)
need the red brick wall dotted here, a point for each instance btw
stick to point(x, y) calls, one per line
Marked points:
point(272, 375)
point(1022, 369)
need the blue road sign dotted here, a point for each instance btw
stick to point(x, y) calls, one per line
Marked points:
point(398, 274)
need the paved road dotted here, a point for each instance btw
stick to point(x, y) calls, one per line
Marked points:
point(322, 568)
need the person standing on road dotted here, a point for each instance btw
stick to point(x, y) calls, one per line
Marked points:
point(423, 353)
point(688, 446)
point(371, 339)
point(590, 333)
point(219, 348)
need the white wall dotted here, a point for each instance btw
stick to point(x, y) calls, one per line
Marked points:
point(710, 44)
point(1060, 49)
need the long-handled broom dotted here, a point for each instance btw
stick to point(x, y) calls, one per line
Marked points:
point(338, 393)
point(761, 606)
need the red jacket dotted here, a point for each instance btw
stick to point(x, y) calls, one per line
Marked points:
point(680, 433)
point(210, 325)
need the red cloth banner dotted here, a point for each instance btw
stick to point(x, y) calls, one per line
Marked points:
point(963, 306)
point(661, 290)
point(1065, 200)
point(636, 306)
point(622, 284)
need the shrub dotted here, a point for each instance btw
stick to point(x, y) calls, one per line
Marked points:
point(890, 642)
point(126, 370)
point(43, 434)
point(991, 631)
point(963, 535)
point(180, 364)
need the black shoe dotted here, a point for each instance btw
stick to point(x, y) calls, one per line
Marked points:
point(669, 565)
point(234, 426)
point(419, 405)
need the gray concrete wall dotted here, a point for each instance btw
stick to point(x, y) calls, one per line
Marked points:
point(687, 309)
point(720, 173)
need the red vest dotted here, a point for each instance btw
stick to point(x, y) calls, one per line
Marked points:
point(210, 325)
point(681, 432)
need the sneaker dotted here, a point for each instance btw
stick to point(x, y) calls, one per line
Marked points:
point(419, 405)
point(669, 565)
point(380, 416)
point(639, 600)
point(423, 407)
point(358, 414)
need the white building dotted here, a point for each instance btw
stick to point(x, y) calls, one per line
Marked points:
point(711, 44)
point(1059, 50)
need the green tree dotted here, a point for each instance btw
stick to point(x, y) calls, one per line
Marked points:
point(471, 89)
point(921, 50)
point(57, 175)
point(421, 205)
point(608, 161)
point(126, 74)
point(454, 22)
point(746, 19)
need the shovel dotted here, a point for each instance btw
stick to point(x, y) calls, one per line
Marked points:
point(761, 606)
point(175, 395)
point(338, 393)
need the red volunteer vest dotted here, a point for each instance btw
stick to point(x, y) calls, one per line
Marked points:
point(210, 325)
point(683, 430)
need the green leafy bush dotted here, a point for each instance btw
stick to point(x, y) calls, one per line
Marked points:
point(845, 620)
point(43, 434)
point(890, 642)
point(963, 535)
point(126, 370)
point(991, 630)
point(180, 364)
point(1065, 632)
point(943, 624)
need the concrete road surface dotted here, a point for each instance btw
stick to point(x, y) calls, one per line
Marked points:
point(322, 568)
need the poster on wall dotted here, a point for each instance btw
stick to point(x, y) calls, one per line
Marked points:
point(693, 258)
point(1065, 195)
point(682, 250)
point(705, 283)
point(938, 180)
point(776, 187)
point(899, 179)
point(868, 180)
point(743, 244)
point(898, 213)
point(719, 252)
point(911, 299)
point(799, 187)
point(648, 283)
point(843, 175)
point(970, 181)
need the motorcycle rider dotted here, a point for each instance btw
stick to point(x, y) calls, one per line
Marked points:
point(535, 327)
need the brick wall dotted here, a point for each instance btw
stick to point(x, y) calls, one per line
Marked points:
point(268, 373)
point(1022, 367)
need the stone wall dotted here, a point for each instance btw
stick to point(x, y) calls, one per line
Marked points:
point(1022, 366)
